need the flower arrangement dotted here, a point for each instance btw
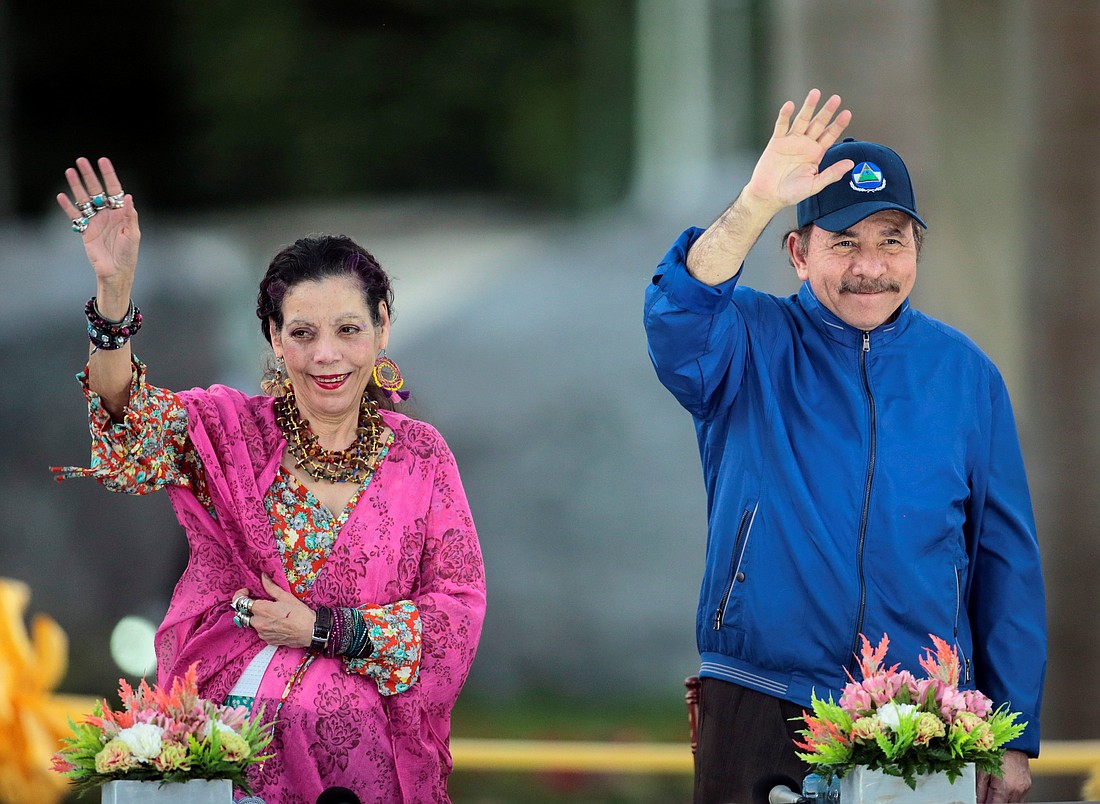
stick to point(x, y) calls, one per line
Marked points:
point(172, 736)
point(906, 726)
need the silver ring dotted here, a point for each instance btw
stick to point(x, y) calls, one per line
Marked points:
point(98, 200)
point(87, 209)
point(116, 201)
point(242, 620)
point(235, 605)
point(79, 225)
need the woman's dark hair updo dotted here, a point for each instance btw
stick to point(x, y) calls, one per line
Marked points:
point(317, 257)
point(312, 259)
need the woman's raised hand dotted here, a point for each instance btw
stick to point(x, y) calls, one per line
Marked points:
point(107, 221)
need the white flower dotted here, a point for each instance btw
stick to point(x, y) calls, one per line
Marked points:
point(143, 740)
point(213, 724)
point(890, 714)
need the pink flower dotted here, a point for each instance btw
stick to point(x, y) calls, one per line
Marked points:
point(883, 687)
point(855, 699)
point(977, 703)
point(922, 690)
point(952, 703)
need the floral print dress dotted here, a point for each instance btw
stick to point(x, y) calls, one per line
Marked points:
point(403, 552)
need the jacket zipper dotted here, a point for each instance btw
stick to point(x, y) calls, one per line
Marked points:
point(743, 528)
point(854, 652)
point(958, 612)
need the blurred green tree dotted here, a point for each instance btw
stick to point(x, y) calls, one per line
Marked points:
point(229, 103)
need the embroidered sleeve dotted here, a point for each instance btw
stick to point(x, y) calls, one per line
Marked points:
point(148, 450)
point(451, 595)
point(394, 633)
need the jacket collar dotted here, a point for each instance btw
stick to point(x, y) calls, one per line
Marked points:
point(831, 324)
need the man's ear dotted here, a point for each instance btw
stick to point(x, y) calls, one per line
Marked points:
point(795, 255)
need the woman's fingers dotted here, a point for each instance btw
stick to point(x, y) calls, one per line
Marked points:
point(88, 174)
point(76, 185)
point(110, 179)
point(67, 206)
point(275, 591)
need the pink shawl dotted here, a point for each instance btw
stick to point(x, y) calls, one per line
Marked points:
point(410, 537)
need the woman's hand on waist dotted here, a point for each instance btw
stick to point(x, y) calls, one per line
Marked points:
point(284, 620)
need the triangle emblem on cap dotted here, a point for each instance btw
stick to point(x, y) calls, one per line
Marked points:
point(867, 178)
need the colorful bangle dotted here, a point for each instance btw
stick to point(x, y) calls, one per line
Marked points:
point(359, 643)
point(336, 638)
point(107, 334)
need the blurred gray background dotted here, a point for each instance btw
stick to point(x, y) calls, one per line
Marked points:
point(519, 167)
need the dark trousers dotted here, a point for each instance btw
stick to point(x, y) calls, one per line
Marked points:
point(745, 744)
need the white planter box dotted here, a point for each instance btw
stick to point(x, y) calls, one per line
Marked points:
point(862, 786)
point(196, 791)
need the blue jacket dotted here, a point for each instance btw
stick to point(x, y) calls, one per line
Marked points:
point(857, 482)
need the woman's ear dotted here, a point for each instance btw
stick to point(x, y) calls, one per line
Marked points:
point(276, 340)
point(384, 325)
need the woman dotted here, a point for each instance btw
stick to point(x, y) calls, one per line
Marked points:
point(335, 577)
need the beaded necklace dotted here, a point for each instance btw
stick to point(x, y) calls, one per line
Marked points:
point(356, 463)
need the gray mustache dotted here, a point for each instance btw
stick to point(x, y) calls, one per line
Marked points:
point(869, 286)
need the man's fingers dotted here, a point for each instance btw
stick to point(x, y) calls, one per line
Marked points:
point(833, 173)
point(802, 121)
point(783, 122)
point(821, 120)
point(835, 129)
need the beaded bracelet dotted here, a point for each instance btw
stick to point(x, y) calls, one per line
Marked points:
point(322, 629)
point(338, 634)
point(107, 334)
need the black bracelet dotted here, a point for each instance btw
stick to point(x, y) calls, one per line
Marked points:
point(322, 629)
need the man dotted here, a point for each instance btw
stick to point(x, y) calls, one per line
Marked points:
point(862, 466)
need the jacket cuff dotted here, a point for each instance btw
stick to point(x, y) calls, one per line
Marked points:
point(683, 289)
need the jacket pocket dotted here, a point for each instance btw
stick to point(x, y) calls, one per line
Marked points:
point(744, 528)
point(965, 660)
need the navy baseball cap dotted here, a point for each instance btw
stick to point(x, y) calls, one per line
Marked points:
point(879, 181)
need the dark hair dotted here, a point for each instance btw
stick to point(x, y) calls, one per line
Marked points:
point(317, 257)
point(804, 232)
